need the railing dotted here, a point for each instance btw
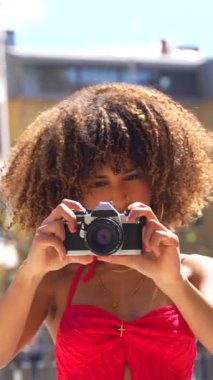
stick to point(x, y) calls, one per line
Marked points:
point(29, 371)
point(203, 369)
point(44, 369)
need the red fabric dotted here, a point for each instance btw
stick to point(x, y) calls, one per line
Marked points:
point(158, 345)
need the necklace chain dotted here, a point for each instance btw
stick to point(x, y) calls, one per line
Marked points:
point(122, 270)
point(115, 303)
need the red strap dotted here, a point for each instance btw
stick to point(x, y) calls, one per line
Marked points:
point(91, 271)
point(74, 284)
point(76, 279)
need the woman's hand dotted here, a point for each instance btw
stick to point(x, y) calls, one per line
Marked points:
point(47, 252)
point(161, 257)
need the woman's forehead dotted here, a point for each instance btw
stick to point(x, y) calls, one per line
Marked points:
point(116, 168)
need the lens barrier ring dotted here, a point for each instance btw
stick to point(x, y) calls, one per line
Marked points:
point(104, 236)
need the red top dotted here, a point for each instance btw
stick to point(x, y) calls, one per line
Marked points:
point(93, 343)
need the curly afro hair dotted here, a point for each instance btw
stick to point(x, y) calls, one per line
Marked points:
point(110, 124)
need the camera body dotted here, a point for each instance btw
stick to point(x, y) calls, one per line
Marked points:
point(104, 231)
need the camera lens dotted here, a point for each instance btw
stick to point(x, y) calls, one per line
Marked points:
point(104, 236)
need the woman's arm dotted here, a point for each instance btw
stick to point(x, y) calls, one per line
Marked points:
point(16, 328)
point(27, 301)
point(194, 298)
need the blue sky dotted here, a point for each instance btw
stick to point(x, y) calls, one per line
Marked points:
point(84, 24)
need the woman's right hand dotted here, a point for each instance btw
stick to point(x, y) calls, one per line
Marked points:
point(47, 251)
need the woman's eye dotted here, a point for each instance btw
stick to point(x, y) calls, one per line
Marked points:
point(98, 184)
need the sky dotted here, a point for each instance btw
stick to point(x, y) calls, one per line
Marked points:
point(111, 24)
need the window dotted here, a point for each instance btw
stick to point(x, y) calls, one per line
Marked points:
point(98, 75)
point(56, 79)
point(140, 76)
point(178, 82)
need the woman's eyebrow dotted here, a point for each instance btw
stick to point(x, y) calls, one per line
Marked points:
point(99, 176)
point(128, 171)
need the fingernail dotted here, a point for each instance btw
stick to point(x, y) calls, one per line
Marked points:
point(73, 229)
point(146, 249)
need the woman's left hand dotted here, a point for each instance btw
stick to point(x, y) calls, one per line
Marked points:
point(160, 259)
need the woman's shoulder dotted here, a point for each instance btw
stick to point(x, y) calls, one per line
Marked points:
point(199, 268)
point(55, 283)
point(54, 279)
point(56, 287)
point(197, 262)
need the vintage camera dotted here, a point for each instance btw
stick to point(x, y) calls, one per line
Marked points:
point(104, 231)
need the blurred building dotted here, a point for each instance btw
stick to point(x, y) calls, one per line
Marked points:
point(37, 80)
point(31, 82)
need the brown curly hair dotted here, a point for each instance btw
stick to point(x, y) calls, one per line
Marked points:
point(110, 124)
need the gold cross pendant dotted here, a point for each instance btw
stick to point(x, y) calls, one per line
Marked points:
point(114, 305)
point(121, 329)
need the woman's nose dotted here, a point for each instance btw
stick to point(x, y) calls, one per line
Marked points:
point(120, 201)
point(120, 207)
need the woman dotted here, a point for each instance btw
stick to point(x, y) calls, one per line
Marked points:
point(123, 316)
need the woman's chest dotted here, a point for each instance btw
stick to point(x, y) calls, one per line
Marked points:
point(127, 297)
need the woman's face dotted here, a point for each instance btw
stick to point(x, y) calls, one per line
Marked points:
point(123, 188)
